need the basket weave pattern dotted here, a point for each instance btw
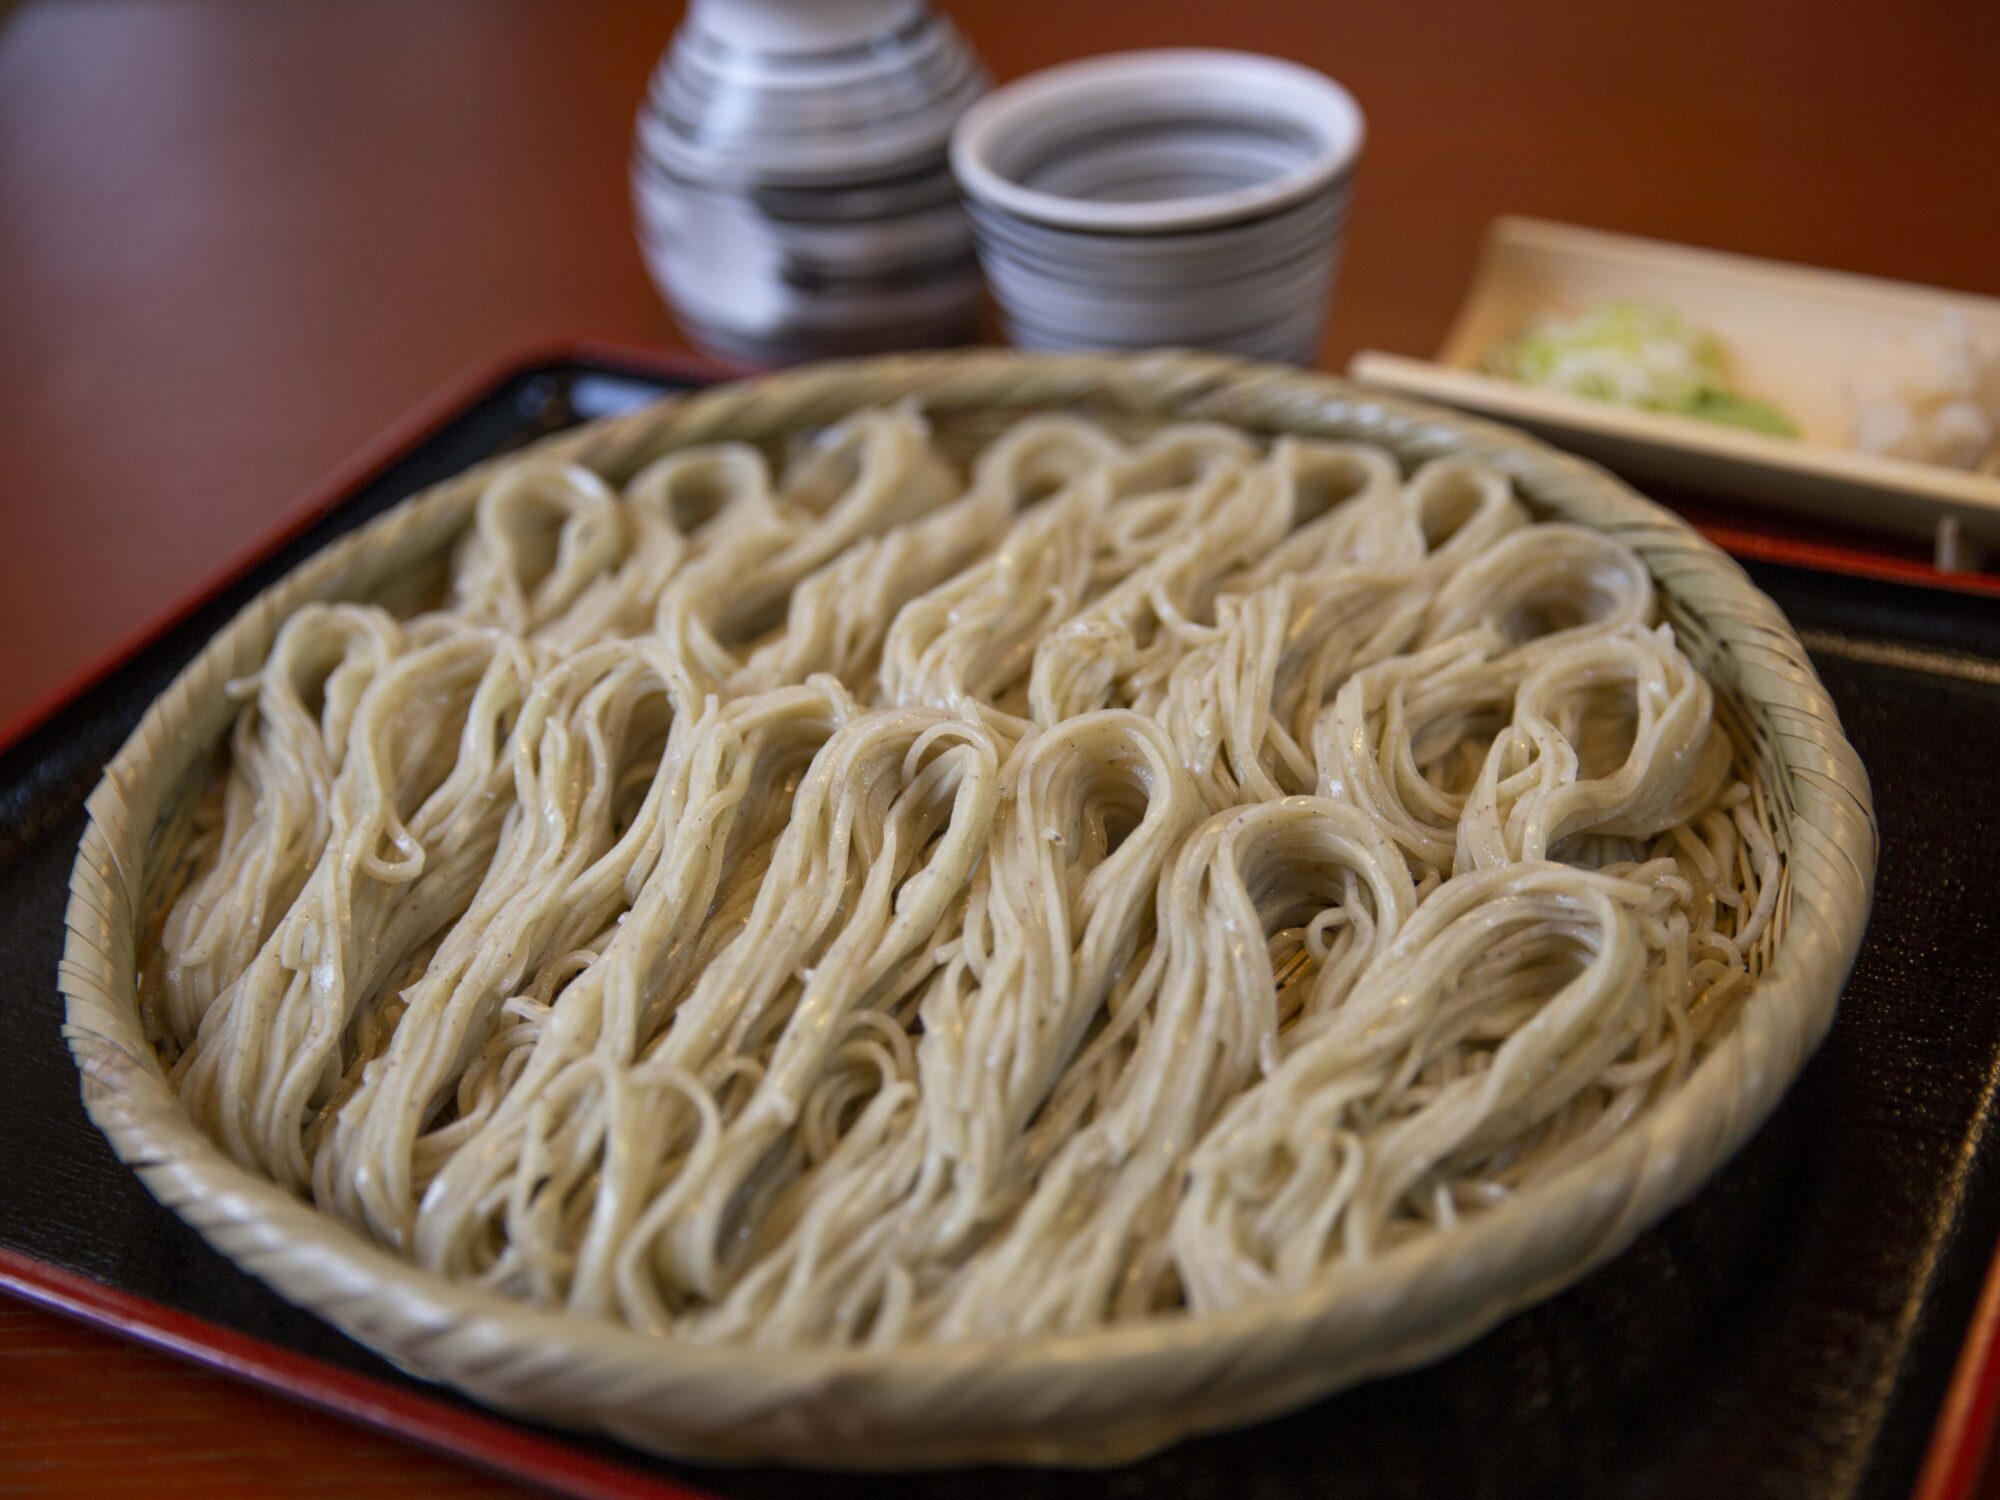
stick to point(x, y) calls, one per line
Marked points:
point(1095, 1398)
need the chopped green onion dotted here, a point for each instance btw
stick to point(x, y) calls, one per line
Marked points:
point(1638, 355)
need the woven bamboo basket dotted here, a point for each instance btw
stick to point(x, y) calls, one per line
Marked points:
point(1086, 1399)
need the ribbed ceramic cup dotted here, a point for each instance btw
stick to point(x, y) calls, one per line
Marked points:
point(790, 180)
point(1187, 198)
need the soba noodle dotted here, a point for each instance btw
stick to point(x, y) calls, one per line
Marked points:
point(861, 904)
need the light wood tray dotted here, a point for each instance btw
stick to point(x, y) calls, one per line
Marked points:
point(1792, 335)
point(1086, 1399)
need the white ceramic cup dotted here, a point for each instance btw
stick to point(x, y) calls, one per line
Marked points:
point(1186, 198)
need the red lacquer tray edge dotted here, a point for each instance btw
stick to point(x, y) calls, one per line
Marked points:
point(1961, 1447)
point(490, 1442)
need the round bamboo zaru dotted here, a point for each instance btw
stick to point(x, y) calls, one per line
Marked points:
point(1093, 1398)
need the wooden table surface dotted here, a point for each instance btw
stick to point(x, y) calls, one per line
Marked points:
point(237, 239)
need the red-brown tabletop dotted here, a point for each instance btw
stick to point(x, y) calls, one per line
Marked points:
point(238, 239)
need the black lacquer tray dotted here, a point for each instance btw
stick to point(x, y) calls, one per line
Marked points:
point(1791, 1332)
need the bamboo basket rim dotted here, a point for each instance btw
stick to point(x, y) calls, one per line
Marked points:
point(1139, 1386)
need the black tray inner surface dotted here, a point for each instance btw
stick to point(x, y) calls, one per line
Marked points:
point(1790, 1332)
